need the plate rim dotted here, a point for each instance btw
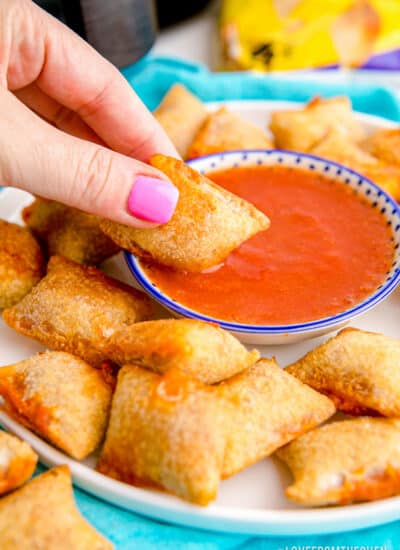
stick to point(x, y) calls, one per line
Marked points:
point(222, 519)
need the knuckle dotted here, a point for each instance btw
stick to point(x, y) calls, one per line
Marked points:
point(92, 181)
point(63, 117)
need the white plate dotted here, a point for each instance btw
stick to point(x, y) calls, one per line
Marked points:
point(253, 501)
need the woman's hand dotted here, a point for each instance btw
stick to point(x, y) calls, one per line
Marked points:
point(71, 128)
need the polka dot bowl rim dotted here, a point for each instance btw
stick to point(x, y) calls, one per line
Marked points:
point(257, 157)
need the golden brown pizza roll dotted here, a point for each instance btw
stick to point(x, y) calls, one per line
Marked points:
point(21, 263)
point(384, 144)
point(200, 349)
point(61, 398)
point(267, 408)
point(346, 461)
point(42, 515)
point(359, 370)
point(17, 462)
point(181, 114)
point(208, 223)
point(300, 130)
point(69, 232)
point(166, 432)
point(225, 131)
point(76, 308)
point(337, 146)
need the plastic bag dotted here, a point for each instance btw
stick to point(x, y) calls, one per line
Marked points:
point(281, 35)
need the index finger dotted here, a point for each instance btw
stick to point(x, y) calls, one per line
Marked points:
point(76, 76)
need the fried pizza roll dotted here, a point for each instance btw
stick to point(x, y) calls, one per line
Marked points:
point(76, 308)
point(225, 131)
point(181, 114)
point(208, 223)
point(200, 349)
point(267, 408)
point(338, 147)
point(384, 144)
point(21, 263)
point(68, 232)
point(61, 398)
point(301, 129)
point(346, 461)
point(359, 370)
point(166, 432)
point(42, 515)
point(17, 462)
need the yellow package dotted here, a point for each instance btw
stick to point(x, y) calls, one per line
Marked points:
point(282, 35)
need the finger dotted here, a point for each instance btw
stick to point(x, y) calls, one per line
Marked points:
point(45, 161)
point(58, 115)
point(76, 76)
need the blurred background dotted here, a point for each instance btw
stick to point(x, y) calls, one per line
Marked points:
point(338, 37)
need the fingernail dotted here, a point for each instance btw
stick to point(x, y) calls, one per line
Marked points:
point(152, 199)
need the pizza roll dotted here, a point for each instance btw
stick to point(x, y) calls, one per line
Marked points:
point(61, 398)
point(208, 223)
point(200, 349)
point(338, 147)
point(346, 461)
point(300, 130)
point(267, 408)
point(69, 232)
point(42, 515)
point(384, 144)
point(181, 114)
point(17, 462)
point(166, 432)
point(225, 131)
point(359, 370)
point(76, 308)
point(21, 263)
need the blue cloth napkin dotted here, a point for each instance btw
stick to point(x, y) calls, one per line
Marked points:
point(151, 78)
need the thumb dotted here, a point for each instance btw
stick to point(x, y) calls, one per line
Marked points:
point(47, 162)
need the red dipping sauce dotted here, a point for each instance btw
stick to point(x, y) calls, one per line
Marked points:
point(326, 250)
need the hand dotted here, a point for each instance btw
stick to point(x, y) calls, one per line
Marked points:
point(71, 128)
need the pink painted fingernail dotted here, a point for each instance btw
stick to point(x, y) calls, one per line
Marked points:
point(152, 199)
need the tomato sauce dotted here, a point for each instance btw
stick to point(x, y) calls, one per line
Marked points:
point(325, 251)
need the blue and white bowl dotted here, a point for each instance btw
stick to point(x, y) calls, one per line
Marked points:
point(285, 334)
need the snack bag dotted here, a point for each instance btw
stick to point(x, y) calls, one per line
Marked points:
point(282, 35)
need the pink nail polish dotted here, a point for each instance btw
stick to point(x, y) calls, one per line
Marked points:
point(152, 199)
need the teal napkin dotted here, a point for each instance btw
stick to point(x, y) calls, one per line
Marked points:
point(151, 78)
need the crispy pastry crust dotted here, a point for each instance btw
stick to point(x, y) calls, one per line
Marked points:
point(344, 462)
point(69, 232)
point(338, 147)
point(202, 350)
point(267, 407)
point(225, 131)
point(166, 432)
point(181, 114)
point(384, 144)
point(359, 370)
point(76, 308)
point(60, 397)
point(21, 263)
point(42, 515)
point(300, 130)
point(17, 462)
point(208, 223)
